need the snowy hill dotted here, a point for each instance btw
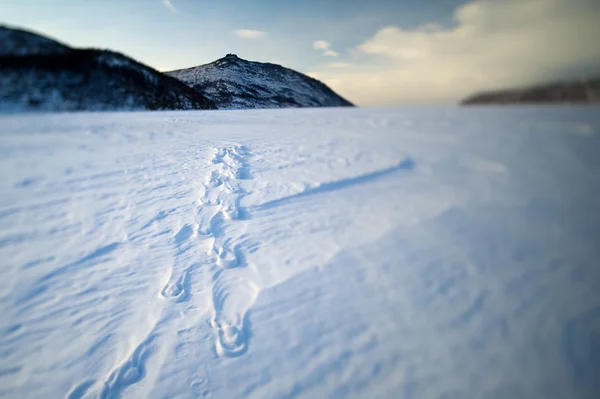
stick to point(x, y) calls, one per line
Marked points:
point(234, 83)
point(581, 91)
point(39, 74)
point(312, 253)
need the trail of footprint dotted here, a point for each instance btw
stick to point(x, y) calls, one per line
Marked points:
point(218, 204)
point(233, 292)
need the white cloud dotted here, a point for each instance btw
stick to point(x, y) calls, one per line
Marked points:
point(321, 45)
point(169, 5)
point(250, 34)
point(494, 44)
point(325, 47)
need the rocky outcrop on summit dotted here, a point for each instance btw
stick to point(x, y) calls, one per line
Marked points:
point(582, 91)
point(37, 73)
point(234, 83)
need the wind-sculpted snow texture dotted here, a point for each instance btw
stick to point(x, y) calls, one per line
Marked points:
point(408, 253)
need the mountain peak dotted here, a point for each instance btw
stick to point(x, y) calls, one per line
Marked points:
point(235, 83)
point(227, 61)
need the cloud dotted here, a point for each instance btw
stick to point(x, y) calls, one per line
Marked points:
point(493, 44)
point(250, 34)
point(321, 45)
point(169, 5)
point(325, 47)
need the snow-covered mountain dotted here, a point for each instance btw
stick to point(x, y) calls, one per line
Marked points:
point(234, 83)
point(37, 73)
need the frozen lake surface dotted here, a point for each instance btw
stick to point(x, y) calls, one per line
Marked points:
point(369, 253)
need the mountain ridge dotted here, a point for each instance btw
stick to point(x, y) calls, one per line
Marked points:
point(41, 74)
point(38, 73)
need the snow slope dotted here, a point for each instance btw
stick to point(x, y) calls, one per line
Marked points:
point(417, 252)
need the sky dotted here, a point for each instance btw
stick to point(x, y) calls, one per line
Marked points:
point(373, 52)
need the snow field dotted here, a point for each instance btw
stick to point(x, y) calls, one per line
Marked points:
point(418, 252)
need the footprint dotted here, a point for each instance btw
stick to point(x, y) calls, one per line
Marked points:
point(231, 340)
point(129, 373)
point(230, 212)
point(225, 258)
point(205, 217)
point(214, 181)
point(177, 290)
point(233, 295)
